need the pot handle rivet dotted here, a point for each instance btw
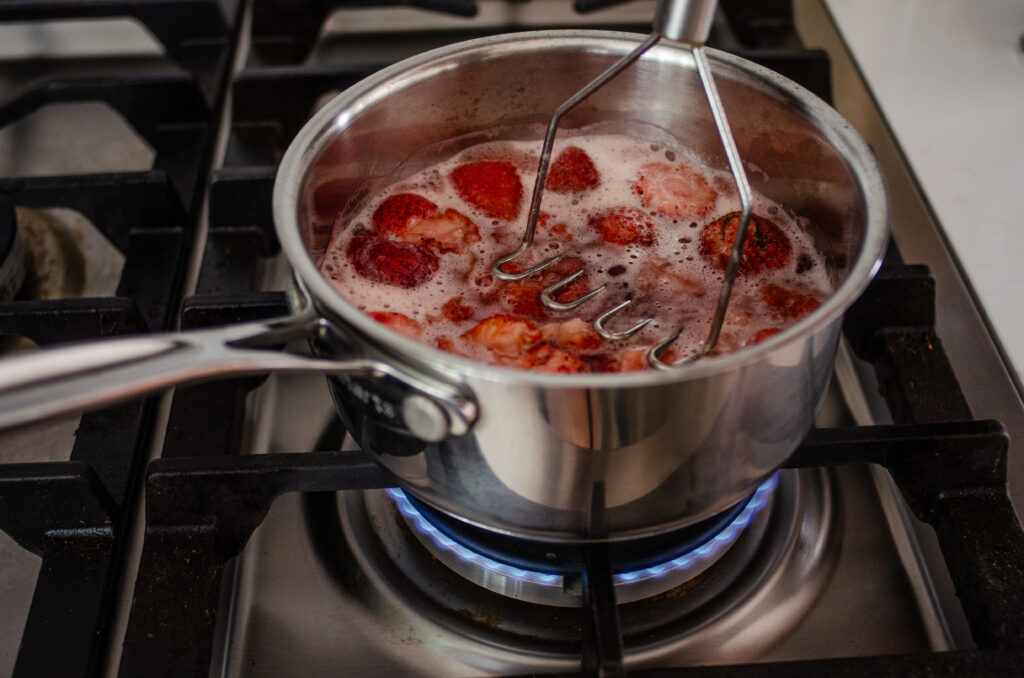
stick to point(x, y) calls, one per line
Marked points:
point(424, 418)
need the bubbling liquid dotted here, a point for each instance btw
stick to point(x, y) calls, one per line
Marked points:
point(648, 221)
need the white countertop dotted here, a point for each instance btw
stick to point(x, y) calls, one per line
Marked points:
point(948, 76)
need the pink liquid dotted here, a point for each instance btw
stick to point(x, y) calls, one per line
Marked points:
point(666, 272)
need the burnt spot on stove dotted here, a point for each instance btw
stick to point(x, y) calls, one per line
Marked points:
point(479, 617)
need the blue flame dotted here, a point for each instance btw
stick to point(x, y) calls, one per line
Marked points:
point(708, 549)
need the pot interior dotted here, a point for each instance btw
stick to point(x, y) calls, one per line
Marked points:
point(420, 111)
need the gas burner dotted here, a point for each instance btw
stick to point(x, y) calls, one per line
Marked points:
point(546, 573)
point(743, 589)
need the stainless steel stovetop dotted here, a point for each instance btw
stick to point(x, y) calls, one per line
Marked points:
point(316, 590)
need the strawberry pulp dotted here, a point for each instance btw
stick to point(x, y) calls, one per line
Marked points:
point(648, 222)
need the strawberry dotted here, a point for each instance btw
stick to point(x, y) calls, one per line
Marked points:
point(787, 304)
point(571, 172)
point(399, 323)
point(391, 262)
point(557, 231)
point(491, 186)
point(624, 226)
point(447, 231)
point(659, 277)
point(394, 212)
point(574, 333)
point(766, 249)
point(456, 310)
point(413, 218)
point(632, 361)
point(675, 191)
point(761, 335)
point(635, 360)
point(505, 335)
point(522, 297)
point(550, 359)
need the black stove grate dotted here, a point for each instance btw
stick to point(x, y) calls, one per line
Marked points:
point(74, 514)
point(197, 35)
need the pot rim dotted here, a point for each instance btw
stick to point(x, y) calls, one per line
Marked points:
point(323, 126)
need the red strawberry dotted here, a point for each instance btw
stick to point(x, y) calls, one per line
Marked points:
point(394, 212)
point(766, 249)
point(624, 226)
point(575, 333)
point(761, 335)
point(787, 304)
point(571, 172)
point(392, 262)
point(456, 310)
point(505, 335)
point(557, 231)
point(547, 358)
point(447, 231)
point(413, 218)
point(560, 269)
point(523, 298)
point(632, 361)
point(402, 324)
point(493, 187)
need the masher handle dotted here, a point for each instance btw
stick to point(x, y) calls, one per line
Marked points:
point(686, 21)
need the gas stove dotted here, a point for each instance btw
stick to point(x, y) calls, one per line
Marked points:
point(231, 529)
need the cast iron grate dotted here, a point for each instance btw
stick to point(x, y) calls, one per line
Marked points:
point(72, 514)
point(197, 35)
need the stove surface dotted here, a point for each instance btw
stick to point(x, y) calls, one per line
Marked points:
point(307, 596)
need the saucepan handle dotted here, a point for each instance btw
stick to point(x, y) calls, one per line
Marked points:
point(87, 375)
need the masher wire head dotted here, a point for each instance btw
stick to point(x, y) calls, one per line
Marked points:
point(684, 21)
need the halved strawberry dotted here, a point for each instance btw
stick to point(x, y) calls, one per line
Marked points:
point(547, 358)
point(492, 186)
point(766, 249)
point(394, 212)
point(574, 333)
point(402, 324)
point(787, 304)
point(448, 231)
point(505, 335)
point(571, 172)
point(391, 262)
point(674, 190)
point(624, 226)
point(413, 218)
point(633, 360)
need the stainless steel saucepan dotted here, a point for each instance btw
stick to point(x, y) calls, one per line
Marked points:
point(558, 457)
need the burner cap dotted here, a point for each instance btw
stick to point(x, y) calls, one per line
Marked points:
point(567, 558)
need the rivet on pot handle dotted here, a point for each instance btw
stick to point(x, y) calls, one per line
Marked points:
point(80, 376)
